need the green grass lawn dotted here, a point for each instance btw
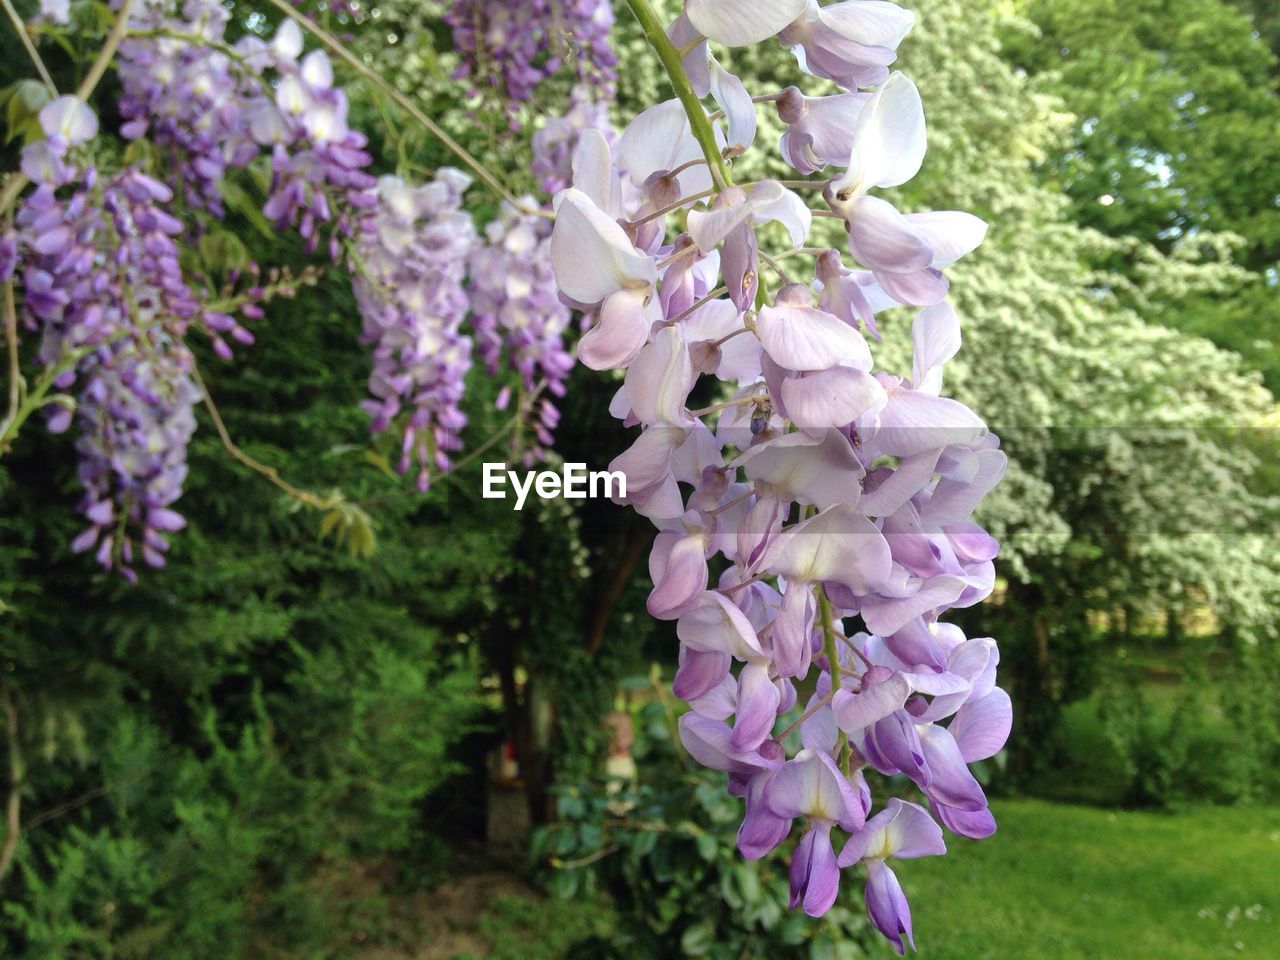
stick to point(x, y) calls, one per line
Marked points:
point(1063, 882)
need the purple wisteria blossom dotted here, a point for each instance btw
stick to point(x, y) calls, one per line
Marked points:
point(104, 288)
point(105, 291)
point(556, 141)
point(510, 47)
point(410, 262)
point(825, 491)
point(189, 100)
point(516, 310)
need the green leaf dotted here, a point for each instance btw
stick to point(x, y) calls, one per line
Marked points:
point(223, 251)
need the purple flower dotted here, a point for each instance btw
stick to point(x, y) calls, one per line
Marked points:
point(411, 258)
point(902, 830)
point(738, 23)
point(516, 309)
point(68, 122)
point(512, 47)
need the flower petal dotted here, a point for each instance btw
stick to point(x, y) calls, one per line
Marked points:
point(620, 331)
point(715, 623)
point(873, 22)
point(739, 23)
point(591, 254)
point(758, 699)
point(935, 339)
point(884, 240)
point(887, 905)
point(838, 545)
point(889, 145)
point(659, 380)
point(857, 711)
point(739, 109)
point(830, 398)
point(950, 233)
point(804, 338)
point(981, 726)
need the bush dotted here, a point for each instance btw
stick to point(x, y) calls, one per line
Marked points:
point(662, 849)
point(220, 761)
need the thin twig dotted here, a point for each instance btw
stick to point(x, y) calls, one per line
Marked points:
point(21, 29)
point(805, 716)
point(777, 268)
point(271, 473)
point(11, 343)
point(698, 305)
point(730, 591)
point(70, 806)
point(99, 67)
point(13, 809)
point(682, 202)
point(584, 861)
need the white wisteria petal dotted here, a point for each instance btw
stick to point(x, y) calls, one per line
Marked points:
point(594, 173)
point(913, 422)
point(822, 471)
point(876, 23)
point(738, 23)
point(839, 545)
point(714, 624)
point(621, 330)
point(659, 380)
point(591, 254)
point(935, 339)
point(885, 240)
point(788, 209)
point(950, 233)
point(830, 398)
point(656, 140)
point(804, 338)
point(709, 228)
point(739, 110)
point(889, 144)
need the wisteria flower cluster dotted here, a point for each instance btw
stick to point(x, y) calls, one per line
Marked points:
point(517, 312)
point(821, 490)
point(412, 256)
point(512, 46)
point(212, 107)
point(105, 290)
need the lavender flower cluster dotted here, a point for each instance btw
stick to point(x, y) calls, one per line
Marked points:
point(411, 256)
point(212, 107)
point(517, 311)
point(822, 490)
point(511, 46)
point(105, 290)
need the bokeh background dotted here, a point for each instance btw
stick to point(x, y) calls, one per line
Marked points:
point(460, 745)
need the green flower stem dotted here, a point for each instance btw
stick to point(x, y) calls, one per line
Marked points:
point(671, 59)
point(832, 653)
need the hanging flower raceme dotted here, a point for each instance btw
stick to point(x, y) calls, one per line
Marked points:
point(510, 47)
point(410, 266)
point(820, 490)
point(188, 100)
point(516, 311)
point(104, 288)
